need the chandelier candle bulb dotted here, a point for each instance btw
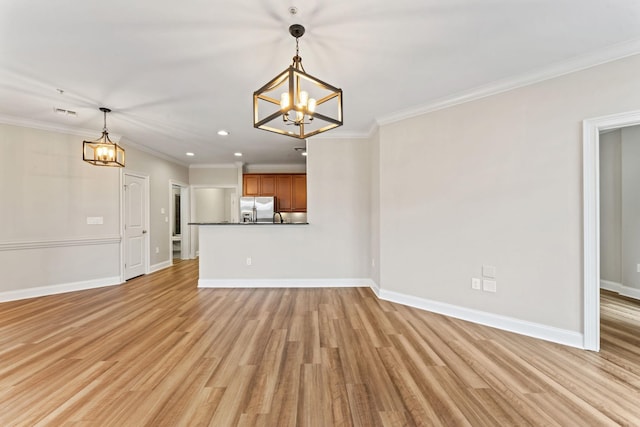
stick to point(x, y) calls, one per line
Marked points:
point(284, 101)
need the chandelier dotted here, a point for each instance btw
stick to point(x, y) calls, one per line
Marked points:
point(103, 152)
point(304, 105)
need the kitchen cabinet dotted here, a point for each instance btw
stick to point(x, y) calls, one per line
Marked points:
point(251, 185)
point(283, 191)
point(268, 185)
point(290, 190)
point(299, 193)
point(259, 185)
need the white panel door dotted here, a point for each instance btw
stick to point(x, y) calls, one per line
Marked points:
point(135, 226)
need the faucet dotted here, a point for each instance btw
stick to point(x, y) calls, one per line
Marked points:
point(274, 217)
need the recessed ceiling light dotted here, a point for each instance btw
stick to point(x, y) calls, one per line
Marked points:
point(223, 132)
point(190, 154)
point(237, 154)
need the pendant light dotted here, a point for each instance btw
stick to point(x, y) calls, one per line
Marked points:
point(296, 103)
point(103, 152)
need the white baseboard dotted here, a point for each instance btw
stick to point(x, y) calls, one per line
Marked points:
point(160, 266)
point(42, 291)
point(284, 283)
point(621, 289)
point(535, 330)
point(375, 287)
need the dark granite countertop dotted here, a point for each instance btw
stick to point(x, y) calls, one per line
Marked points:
point(248, 223)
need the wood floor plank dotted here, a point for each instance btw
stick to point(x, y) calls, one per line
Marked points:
point(158, 351)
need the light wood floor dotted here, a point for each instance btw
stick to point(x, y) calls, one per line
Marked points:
point(157, 351)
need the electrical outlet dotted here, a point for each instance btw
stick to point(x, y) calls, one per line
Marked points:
point(248, 260)
point(489, 285)
point(475, 283)
point(373, 262)
point(638, 268)
point(157, 250)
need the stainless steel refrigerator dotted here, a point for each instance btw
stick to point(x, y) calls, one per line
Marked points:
point(257, 209)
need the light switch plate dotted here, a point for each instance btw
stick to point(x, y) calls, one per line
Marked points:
point(489, 271)
point(95, 220)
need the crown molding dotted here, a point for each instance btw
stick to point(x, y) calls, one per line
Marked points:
point(275, 168)
point(578, 63)
point(214, 166)
point(343, 135)
point(54, 127)
point(144, 148)
point(84, 133)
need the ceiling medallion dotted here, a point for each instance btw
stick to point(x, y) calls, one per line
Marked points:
point(296, 103)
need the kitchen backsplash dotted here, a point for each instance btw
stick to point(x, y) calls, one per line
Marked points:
point(294, 217)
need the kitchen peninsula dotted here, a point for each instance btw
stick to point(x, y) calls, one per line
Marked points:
point(253, 254)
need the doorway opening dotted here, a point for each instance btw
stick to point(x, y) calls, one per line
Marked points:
point(591, 218)
point(179, 231)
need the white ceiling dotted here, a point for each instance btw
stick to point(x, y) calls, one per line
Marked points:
point(174, 73)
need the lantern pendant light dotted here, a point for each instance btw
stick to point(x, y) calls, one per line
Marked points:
point(296, 103)
point(103, 152)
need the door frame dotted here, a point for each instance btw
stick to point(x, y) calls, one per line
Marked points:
point(591, 129)
point(185, 229)
point(147, 219)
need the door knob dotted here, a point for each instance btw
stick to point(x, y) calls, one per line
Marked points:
point(144, 231)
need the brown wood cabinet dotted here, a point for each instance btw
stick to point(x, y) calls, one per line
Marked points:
point(290, 190)
point(299, 193)
point(251, 185)
point(283, 191)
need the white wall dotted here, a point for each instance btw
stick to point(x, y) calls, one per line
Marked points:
point(611, 207)
point(497, 181)
point(630, 141)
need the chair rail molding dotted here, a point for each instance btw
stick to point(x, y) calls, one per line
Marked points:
point(58, 243)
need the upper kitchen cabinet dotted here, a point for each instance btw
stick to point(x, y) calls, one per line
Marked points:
point(283, 191)
point(268, 185)
point(251, 185)
point(290, 190)
point(299, 193)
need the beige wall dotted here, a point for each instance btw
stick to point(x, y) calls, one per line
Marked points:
point(47, 193)
point(335, 244)
point(161, 172)
point(497, 181)
point(630, 230)
point(374, 144)
point(214, 176)
point(611, 207)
